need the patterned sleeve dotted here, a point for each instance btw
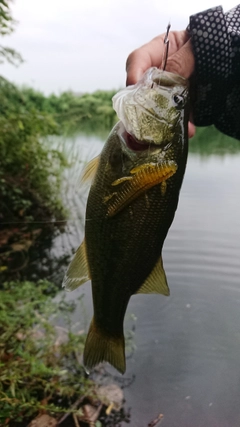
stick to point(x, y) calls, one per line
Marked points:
point(215, 39)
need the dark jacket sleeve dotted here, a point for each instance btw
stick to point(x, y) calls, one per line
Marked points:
point(215, 39)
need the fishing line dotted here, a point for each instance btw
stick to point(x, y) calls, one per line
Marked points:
point(36, 222)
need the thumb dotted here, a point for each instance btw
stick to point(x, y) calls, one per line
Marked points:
point(182, 62)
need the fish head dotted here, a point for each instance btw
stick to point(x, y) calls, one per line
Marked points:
point(155, 110)
point(149, 145)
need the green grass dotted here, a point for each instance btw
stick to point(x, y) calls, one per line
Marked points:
point(39, 368)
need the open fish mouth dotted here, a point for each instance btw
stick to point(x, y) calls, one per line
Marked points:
point(133, 143)
point(136, 145)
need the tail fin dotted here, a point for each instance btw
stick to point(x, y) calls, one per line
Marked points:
point(100, 347)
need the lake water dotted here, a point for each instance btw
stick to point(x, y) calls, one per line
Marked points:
point(187, 358)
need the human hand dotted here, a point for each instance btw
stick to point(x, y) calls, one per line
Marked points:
point(180, 59)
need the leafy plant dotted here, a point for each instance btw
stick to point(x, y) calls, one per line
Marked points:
point(7, 24)
point(39, 362)
point(70, 110)
point(30, 170)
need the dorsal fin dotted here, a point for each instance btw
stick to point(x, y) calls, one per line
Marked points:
point(89, 171)
point(77, 272)
point(156, 282)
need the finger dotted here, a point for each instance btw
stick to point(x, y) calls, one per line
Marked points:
point(191, 130)
point(137, 63)
point(143, 58)
point(151, 54)
point(182, 61)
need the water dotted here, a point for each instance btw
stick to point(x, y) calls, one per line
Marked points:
point(188, 345)
point(186, 362)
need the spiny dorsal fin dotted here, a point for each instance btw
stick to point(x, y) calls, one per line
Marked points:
point(77, 272)
point(156, 283)
point(89, 171)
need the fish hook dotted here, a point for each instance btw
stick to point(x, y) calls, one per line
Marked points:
point(166, 43)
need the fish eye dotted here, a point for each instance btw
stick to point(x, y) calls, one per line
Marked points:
point(179, 101)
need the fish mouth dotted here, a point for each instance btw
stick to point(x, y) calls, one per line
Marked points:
point(134, 144)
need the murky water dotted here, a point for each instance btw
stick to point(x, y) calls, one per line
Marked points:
point(187, 358)
point(188, 345)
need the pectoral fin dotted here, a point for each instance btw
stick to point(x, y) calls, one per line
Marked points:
point(89, 171)
point(156, 283)
point(77, 272)
point(143, 177)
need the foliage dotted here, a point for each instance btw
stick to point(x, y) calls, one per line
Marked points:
point(7, 27)
point(25, 163)
point(80, 111)
point(39, 370)
point(6, 20)
point(40, 362)
point(29, 168)
point(209, 140)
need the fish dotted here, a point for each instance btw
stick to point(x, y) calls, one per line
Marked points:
point(135, 185)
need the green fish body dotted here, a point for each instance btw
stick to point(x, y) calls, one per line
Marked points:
point(131, 205)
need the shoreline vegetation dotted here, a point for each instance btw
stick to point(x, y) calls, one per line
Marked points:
point(31, 167)
point(42, 379)
point(30, 172)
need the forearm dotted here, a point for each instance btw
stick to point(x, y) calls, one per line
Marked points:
point(215, 39)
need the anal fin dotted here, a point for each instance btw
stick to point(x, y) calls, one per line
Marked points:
point(156, 282)
point(77, 272)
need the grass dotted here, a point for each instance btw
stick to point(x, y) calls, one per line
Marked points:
point(41, 371)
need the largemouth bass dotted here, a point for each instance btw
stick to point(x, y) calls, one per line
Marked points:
point(132, 201)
